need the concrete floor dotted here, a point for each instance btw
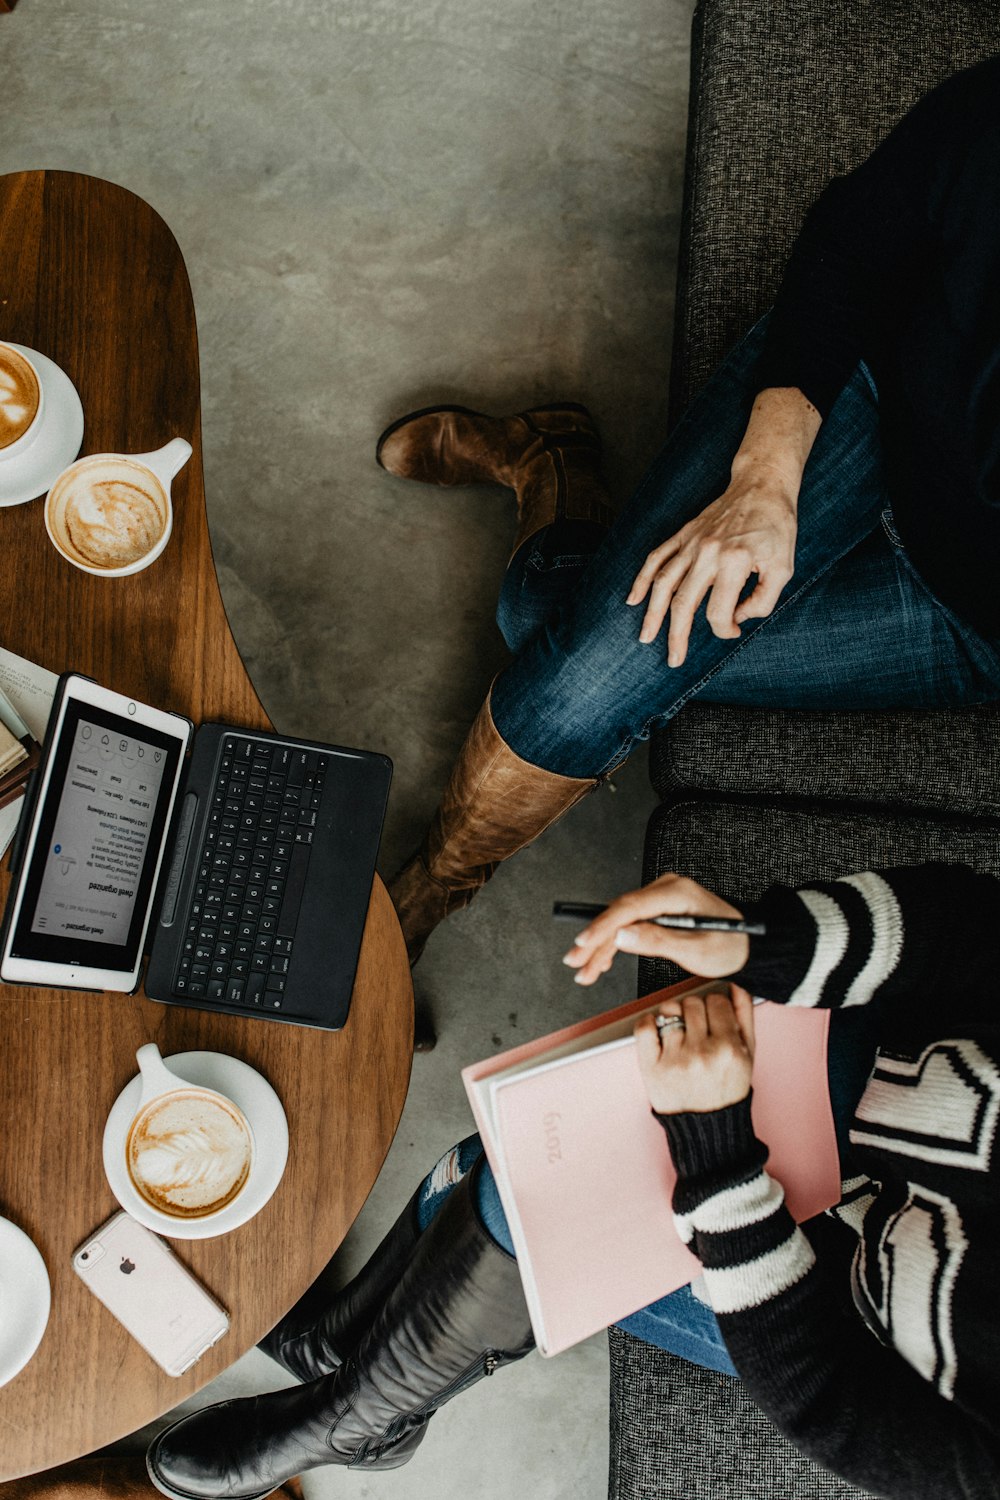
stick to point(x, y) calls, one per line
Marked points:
point(384, 204)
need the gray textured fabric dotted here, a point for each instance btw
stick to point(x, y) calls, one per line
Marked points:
point(950, 764)
point(682, 1433)
point(783, 97)
point(739, 848)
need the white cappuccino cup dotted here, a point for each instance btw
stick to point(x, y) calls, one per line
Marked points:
point(110, 514)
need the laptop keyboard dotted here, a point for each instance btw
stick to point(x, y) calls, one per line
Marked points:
point(241, 923)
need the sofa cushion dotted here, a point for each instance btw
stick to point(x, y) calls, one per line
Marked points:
point(783, 97)
point(950, 764)
point(679, 1432)
point(739, 848)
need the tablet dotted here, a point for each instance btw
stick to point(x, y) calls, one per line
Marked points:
point(89, 856)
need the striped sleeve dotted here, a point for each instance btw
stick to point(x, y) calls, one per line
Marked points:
point(893, 934)
point(731, 1212)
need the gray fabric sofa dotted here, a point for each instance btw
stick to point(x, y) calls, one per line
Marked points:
point(784, 95)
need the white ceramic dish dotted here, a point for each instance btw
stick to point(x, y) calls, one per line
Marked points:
point(59, 439)
point(262, 1107)
point(25, 1299)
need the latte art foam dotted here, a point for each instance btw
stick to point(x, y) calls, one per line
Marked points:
point(109, 512)
point(19, 396)
point(189, 1153)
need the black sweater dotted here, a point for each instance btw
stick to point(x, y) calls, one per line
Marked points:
point(898, 263)
point(872, 1336)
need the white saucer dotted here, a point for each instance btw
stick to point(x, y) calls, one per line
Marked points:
point(25, 1298)
point(59, 439)
point(262, 1107)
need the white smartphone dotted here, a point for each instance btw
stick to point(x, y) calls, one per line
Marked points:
point(153, 1296)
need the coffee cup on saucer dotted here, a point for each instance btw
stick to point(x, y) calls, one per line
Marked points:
point(22, 403)
point(41, 422)
point(189, 1150)
point(196, 1145)
point(110, 513)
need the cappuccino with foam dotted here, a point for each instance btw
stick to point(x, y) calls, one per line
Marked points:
point(189, 1153)
point(20, 395)
point(106, 512)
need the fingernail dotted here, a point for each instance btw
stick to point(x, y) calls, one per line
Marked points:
point(624, 939)
point(579, 979)
point(581, 940)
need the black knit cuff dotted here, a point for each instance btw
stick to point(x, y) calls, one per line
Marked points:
point(779, 960)
point(713, 1148)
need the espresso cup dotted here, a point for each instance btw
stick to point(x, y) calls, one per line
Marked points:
point(22, 403)
point(189, 1151)
point(110, 513)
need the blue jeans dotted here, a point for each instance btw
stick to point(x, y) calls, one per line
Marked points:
point(855, 628)
point(678, 1322)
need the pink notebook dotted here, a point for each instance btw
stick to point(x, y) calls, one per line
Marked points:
point(584, 1172)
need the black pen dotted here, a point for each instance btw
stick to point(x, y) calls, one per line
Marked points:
point(586, 911)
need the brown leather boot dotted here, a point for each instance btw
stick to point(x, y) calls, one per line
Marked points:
point(550, 456)
point(493, 805)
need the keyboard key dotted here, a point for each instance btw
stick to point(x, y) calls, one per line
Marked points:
point(255, 989)
point(219, 970)
point(239, 968)
point(282, 945)
point(307, 818)
point(258, 873)
point(276, 984)
point(248, 931)
point(261, 963)
point(263, 942)
point(279, 963)
point(234, 994)
point(238, 877)
point(199, 971)
point(244, 949)
point(223, 950)
point(274, 1002)
point(268, 924)
point(213, 900)
point(257, 784)
point(196, 988)
point(303, 835)
point(282, 850)
point(245, 840)
point(271, 906)
point(227, 931)
point(181, 984)
point(261, 765)
point(216, 989)
point(279, 868)
point(203, 952)
point(231, 911)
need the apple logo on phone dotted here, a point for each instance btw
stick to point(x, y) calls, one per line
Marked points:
point(127, 1266)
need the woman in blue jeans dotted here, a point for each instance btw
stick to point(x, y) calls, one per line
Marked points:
point(821, 531)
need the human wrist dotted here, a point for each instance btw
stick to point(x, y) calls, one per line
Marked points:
point(714, 1145)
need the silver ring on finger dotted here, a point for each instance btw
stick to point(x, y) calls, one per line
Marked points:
point(669, 1023)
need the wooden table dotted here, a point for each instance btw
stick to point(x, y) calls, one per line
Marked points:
point(91, 276)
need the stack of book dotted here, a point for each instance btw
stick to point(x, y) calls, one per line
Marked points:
point(19, 751)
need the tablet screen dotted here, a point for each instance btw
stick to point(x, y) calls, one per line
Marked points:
point(89, 882)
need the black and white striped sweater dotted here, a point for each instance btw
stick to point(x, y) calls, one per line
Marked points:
point(913, 1411)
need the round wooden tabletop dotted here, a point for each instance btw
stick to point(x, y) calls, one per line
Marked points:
point(91, 277)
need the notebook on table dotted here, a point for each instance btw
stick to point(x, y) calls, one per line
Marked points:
point(583, 1169)
point(241, 861)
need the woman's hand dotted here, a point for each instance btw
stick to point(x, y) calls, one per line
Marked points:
point(749, 530)
point(625, 926)
point(704, 1065)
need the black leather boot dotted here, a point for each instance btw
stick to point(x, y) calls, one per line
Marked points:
point(324, 1328)
point(457, 1313)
